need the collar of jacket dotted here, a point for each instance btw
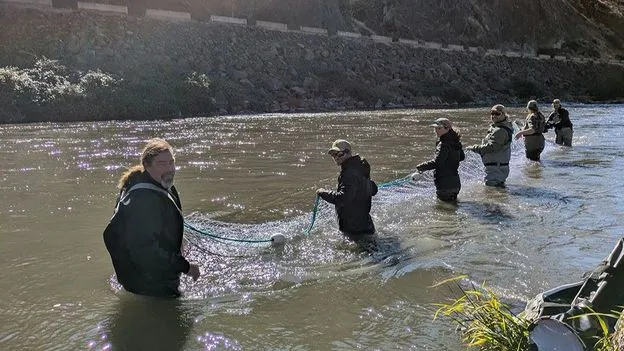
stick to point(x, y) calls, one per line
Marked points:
point(352, 162)
point(450, 137)
point(142, 177)
point(502, 123)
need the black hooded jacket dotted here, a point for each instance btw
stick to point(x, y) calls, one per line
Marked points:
point(353, 197)
point(144, 239)
point(562, 122)
point(448, 154)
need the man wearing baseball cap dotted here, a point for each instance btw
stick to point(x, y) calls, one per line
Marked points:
point(353, 197)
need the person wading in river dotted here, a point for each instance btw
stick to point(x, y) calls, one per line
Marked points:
point(144, 237)
point(448, 154)
point(560, 120)
point(353, 196)
point(533, 132)
point(495, 148)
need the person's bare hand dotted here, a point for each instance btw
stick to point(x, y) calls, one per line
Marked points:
point(193, 272)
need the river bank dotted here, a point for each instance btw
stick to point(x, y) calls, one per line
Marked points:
point(79, 65)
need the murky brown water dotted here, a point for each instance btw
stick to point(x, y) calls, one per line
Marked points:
point(254, 176)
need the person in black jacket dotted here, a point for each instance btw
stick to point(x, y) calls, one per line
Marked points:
point(448, 154)
point(353, 197)
point(560, 120)
point(144, 237)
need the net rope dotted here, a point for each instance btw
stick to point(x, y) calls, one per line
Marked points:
point(213, 237)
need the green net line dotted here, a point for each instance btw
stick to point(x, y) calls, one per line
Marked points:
point(390, 184)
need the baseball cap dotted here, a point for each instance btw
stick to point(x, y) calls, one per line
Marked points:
point(442, 122)
point(339, 145)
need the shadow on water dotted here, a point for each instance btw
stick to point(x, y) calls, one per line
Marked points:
point(533, 169)
point(582, 163)
point(143, 323)
point(537, 193)
point(487, 212)
point(376, 249)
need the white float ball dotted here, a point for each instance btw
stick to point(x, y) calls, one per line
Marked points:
point(278, 239)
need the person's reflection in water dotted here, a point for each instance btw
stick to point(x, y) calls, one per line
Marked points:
point(385, 250)
point(446, 207)
point(148, 323)
point(532, 170)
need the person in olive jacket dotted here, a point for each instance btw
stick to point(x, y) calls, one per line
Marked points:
point(534, 127)
point(144, 237)
point(353, 196)
point(495, 148)
point(448, 154)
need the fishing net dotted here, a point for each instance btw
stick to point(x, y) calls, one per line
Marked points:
point(208, 237)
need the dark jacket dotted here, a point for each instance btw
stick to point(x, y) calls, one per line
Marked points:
point(146, 249)
point(353, 197)
point(558, 119)
point(448, 154)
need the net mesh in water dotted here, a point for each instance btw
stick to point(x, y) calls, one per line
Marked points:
point(206, 236)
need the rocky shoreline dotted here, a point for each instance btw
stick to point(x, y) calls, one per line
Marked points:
point(79, 65)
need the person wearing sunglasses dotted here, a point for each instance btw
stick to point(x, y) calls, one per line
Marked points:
point(495, 148)
point(448, 154)
point(353, 197)
point(533, 130)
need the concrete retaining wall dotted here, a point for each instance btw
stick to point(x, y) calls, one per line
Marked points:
point(348, 34)
point(272, 25)
point(102, 7)
point(455, 47)
point(381, 39)
point(168, 15)
point(230, 20)
point(313, 30)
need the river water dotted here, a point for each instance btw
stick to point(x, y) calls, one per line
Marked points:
point(249, 177)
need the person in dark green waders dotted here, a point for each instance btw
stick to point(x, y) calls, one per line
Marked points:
point(353, 197)
point(532, 132)
point(144, 237)
point(448, 154)
point(495, 149)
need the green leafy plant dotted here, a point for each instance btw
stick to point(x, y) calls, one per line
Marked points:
point(607, 341)
point(486, 323)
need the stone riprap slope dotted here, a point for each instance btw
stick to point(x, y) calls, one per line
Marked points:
point(147, 68)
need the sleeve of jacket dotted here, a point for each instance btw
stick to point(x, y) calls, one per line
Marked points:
point(496, 142)
point(374, 188)
point(345, 193)
point(533, 122)
point(549, 121)
point(440, 157)
point(565, 117)
point(144, 228)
